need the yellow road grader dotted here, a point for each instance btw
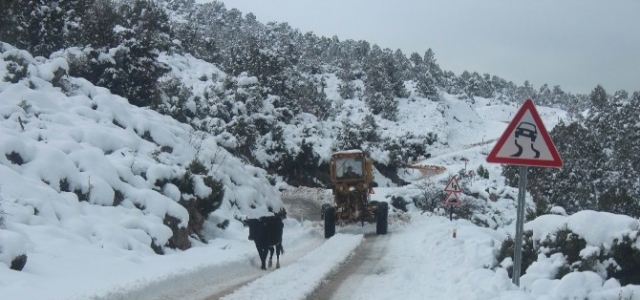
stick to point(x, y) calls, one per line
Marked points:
point(351, 175)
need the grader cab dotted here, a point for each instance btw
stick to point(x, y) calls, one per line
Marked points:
point(351, 175)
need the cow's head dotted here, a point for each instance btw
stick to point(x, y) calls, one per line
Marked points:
point(253, 226)
point(282, 213)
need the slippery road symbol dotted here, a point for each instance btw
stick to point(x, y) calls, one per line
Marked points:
point(525, 142)
point(529, 130)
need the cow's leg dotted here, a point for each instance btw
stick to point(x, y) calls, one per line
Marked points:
point(271, 257)
point(279, 250)
point(263, 257)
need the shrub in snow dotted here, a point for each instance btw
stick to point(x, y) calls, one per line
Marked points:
point(570, 245)
point(200, 194)
point(529, 255)
point(176, 95)
point(563, 241)
point(399, 203)
point(196, 167)
point(542, 208)
point(303, 168)
point(618, 201)
point(210, 203)
point(429, 197)
point(472, 208)
point(65, 187)
point(12, 249)
point(626, 254)
point(118, 197)
point(15, 158)
point(19, 262)
point(347, 90)
point(483, 172)
point(621, 260)
point(17, 67)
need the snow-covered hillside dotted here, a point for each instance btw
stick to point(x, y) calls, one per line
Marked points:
point(88, 163)
point(79, 196)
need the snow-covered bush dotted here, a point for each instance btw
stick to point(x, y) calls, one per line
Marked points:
point(569, 248)
point(626, 255)
point(399, 202)
point(347, 90)
point(13, 249)
point(17, 67)
point(505, 254)
point(570, 245)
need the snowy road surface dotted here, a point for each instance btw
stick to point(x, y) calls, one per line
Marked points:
point(364, 262)
point(353, 264)
point(299, 280)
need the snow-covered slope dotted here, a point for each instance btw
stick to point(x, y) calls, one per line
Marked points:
point(78, 192)
point(85, 165)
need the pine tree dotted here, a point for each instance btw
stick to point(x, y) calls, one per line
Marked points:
point(427, 86)
point(417, 65)
point(382, 83)
point(428, 74)
point(37, 26)
point(347, 90)
point(99, 23)
point(499, 85)
point(544, 96)
point(598, 97)
point(133, 70)
point(402, 64)
point(526, 91)
point(575, 185)
point(450, 83)
point(557, 95)
point(432, 66)
point(472, 85)
point(618, 201)
point(369, 129)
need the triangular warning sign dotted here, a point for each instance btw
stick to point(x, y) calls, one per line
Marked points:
point(453, 186)
point(526, 142)
point(452, 200)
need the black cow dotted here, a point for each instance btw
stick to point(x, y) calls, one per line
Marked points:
point(266, 232)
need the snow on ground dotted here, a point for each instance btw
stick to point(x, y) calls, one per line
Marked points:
point(300, 279)
point(423, 260)
point(93, 250)
point(90, 272)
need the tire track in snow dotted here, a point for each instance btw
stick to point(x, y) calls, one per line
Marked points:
point(364, 262)
point(300, 279)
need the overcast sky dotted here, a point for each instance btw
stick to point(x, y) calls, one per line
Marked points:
point(576, 44)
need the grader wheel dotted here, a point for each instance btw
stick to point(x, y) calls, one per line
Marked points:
point(329, 222)
point(382, 215)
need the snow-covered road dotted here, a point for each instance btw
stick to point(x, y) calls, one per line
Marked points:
point(299, 280)
point(364, 262)
point(353, 264)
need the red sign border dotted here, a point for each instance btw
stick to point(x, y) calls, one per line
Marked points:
point(449, 203)
point(555, 163)
point(453, 179)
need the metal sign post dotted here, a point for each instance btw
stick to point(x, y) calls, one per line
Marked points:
point(525, 142)
point(517, 247)
point(450, 212)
